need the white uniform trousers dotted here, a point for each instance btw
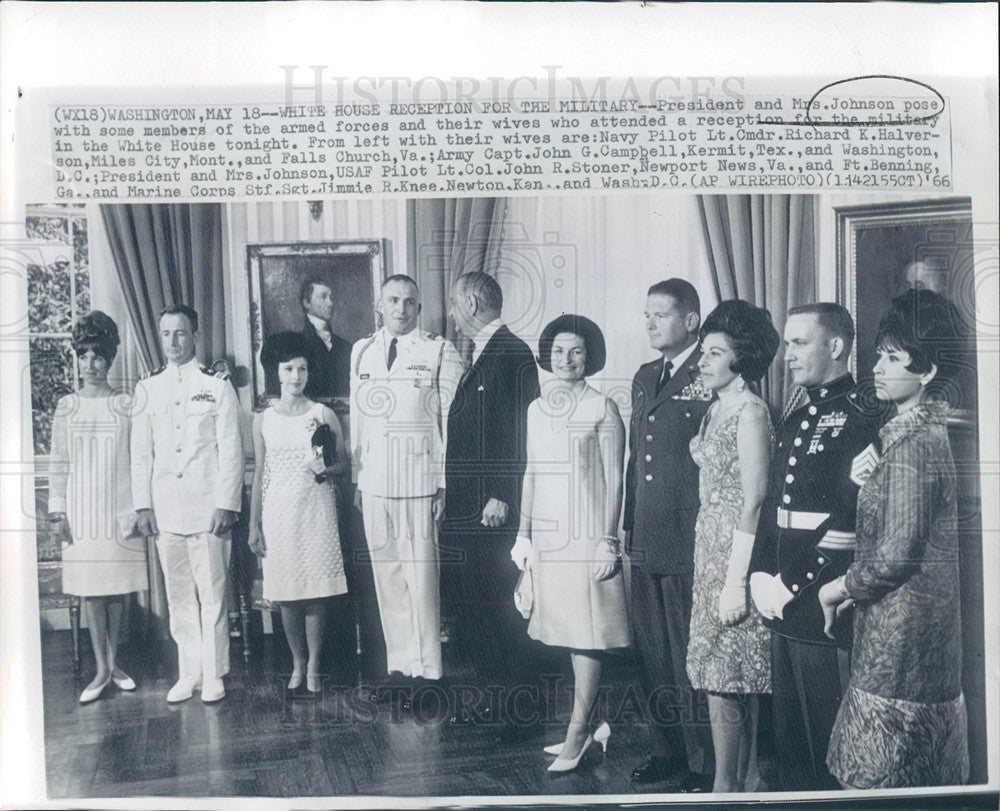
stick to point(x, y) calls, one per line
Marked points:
point(194, 572)
point(403, 547)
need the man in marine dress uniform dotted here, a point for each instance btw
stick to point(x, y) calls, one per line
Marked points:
point(661, 505)
point(402, 385)
point(805, 537)
point(187, 484)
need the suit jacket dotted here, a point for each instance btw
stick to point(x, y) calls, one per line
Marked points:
point(486, 453)
point(329, 369)
point(661, 480)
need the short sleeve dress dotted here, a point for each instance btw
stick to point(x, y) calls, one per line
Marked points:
point(89, 480)
point(567, 440)
point(299, 514)
point(722, 658)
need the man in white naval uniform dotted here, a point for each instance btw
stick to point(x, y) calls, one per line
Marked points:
point(402, 384)
point(187, 483)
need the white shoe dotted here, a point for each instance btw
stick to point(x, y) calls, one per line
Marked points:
point(183, 690)
point(93, 693)
point(125, 683)
point(213, 690)
point(601, 736)
point(562, 765)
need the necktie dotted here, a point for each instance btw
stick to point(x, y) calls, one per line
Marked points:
point(664, 376)
point(392, 354)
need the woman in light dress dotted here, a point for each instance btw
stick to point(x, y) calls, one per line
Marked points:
point(729, 648)
point(90, 498)
point(298, 448)
point(903, 720)
point(570, 506)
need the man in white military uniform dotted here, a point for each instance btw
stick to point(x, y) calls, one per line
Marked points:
point(187, 483)
point(402, 384)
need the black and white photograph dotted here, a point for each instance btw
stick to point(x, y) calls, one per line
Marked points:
point(444, 405)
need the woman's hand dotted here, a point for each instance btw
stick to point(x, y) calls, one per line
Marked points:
point(733, 603)
point(59, 526)
point(522, 552)
point(256, 541)
point(606, 559)
point(835, 601)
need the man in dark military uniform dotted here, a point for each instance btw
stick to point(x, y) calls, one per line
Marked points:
point(805, 538)
point(661, 505)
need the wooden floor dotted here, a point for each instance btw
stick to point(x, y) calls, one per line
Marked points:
point(258, 743)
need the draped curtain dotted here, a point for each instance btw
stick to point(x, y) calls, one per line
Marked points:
point(445, 239)
point(169, 254)
point(761, 248)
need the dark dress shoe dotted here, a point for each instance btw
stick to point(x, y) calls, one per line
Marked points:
point(656, 769)
point(692, 783)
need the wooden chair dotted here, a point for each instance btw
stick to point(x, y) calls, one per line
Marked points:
point(50, 596)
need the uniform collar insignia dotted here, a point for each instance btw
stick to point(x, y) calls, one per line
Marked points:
point(835, 388)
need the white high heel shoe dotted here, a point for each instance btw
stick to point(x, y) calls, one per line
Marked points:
point(562, 765)
point(601, 736)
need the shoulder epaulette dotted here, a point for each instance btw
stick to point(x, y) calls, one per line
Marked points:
point(656, 362)
point(148, 375)
point(365, 343)
point(431, 336)
point(218, 375)
point(868, 405)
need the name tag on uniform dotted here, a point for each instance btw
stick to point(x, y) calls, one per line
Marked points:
point(365, 376)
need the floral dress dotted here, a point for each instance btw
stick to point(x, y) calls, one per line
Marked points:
point(902, 721)
point(299, 516)
point(722, 658)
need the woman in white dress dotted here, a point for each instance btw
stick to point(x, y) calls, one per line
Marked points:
point(570, 506)
point(90, 498)
point(298, 449)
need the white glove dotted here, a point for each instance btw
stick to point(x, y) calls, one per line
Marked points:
point(733, 599)
point(522, 553)
point(769, 595)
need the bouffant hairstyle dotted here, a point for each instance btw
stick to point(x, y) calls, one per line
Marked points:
point(98, 332)
point(283, 347)
point(832, 318)
point(750, 333)
point(923, 324)
point(593, 340)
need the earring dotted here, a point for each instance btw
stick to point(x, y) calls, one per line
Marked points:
point(742, 385)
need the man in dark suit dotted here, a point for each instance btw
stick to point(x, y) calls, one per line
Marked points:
point(661, 504)
point(329, 354)
point(485, 462)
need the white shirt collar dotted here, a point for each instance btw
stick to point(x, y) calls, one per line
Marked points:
point(483, 337)
point(185, 369)
point(682, 357)
point(321, 325)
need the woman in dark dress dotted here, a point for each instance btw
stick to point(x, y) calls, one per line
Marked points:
point(902, 721)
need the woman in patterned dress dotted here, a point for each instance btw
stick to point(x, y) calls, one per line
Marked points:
point(902, 721)
point(90, 499)
point(293, 508)
point(728, 648)
point(568, 533)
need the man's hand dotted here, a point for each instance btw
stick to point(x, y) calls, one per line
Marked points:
point(256, 541)
point(144, 524)
point(357, 499)
point(437, 504)
point(494, 513)
point(769, 595)
point(60, 528)
point(222, 521)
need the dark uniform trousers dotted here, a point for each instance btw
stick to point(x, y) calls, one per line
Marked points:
point(677, 715)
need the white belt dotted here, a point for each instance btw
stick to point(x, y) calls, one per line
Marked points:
point(799, 519)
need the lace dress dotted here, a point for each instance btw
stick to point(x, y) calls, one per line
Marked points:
point(299, 516)
point(721, 658)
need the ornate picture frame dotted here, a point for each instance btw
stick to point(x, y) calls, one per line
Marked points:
point(354, 271)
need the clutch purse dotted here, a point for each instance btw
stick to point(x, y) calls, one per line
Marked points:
point(326, 442)
point(524, 593)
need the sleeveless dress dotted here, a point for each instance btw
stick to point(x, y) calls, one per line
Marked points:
point(566, 439)
point(722, 659)
point(299, 515)
point(90, 481)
